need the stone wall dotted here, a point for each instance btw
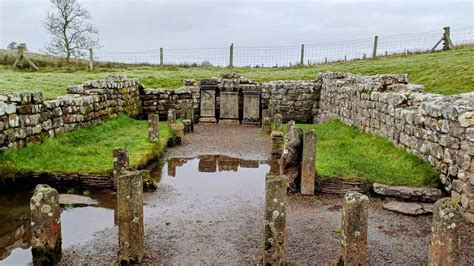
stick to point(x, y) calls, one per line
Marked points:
point(26, 118)
point(440, 129)
point(295, 100)
point(159, 101)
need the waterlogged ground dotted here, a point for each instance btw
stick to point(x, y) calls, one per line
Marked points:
point(209, 209)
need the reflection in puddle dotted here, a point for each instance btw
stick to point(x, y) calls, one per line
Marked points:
point(15, 229)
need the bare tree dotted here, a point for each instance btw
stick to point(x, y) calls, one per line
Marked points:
point(72, 34)
point(12, 46)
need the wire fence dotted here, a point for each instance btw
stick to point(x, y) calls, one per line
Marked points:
point(293, 55)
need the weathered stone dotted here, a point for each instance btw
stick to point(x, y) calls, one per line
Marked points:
point(130, 217)
point(277, 122)
point(45, 226)
point(308, 164)
point(354, 225)
point(229, 106)
point(178, 130)
point(187, 126)
point(266, 125)
point(424, 194)
point(153, 127)
point(208, 105)
point(409, 208)
point(290, 162)
point(276, 201)
point(171, 116)
point(466, 119)
point(277, 142)
point(444, 245)
point(121, 162)
point(251, 105)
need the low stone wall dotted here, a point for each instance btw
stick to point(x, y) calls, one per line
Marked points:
point(440, 129)
point(159, 101)
point(295, 100)
point(25, 118)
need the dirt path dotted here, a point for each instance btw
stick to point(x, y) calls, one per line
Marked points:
point(197, 218)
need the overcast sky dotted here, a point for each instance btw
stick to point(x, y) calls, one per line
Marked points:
point(144, 24)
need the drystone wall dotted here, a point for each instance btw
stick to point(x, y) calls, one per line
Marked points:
point(440, 129)
point(26, 118)
point(159, 101)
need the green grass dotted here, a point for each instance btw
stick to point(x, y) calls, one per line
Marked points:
point(445, 72)
point(88, 149)
point(346, 152)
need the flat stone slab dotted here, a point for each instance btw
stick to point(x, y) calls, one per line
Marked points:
point(423, 194)
point(78, 200)
point(409, 208)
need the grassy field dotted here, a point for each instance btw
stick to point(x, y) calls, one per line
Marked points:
point(87, 149)
point(445, 72)
point(346, 152)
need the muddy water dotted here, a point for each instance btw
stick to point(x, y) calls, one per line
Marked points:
point(15, 230)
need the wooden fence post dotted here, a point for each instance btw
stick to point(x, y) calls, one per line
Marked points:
point(91, 59)
point(447, 43)
point(376, 41)
point(231, 55)
point(161, 56)
point(302, 55)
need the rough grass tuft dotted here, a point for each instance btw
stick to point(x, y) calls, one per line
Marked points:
point(346, 152)
point(88, 149)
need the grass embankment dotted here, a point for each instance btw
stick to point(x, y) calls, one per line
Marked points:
point(445, 72)
point(346, 152)
point(88, 149)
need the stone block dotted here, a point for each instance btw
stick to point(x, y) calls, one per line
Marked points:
point(45, 226)
point(290, 162)
point(251, 112)
point(121, 162)
point(425, 194)
point(130, 217)
point(276, 201)
point(229, 107)
point(277, 142)
point(153, 127)
point(171, 116)
point(354, 225)
point(208, 105)
point(308, 163)
point(277, 121)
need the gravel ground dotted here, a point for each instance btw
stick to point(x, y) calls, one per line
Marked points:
point(188, 227)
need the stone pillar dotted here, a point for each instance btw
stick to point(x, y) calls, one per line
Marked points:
point(355, 211)
point(445, 245)
point(153, 127)
point(171, 116)
point(121, 162)
point(277, 121)
point(178, 129)
point(308, 163)
point(208, 100)
point(229, 99)
point(276, 200)
point(130, 217)
point(251, 112)
point(277, 142)
point(266, 125)
point(45, 226)
point(290, 163)
point(187, 126)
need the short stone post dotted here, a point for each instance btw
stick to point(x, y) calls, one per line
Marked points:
point(266, 125)
point(171, 116)
point(153, 127)
point(277, 121)
point(277, 142)
point(130, 217)
point(188, 127)
point(276, 200)
point(121, 162)
point(444, 245)
point(45, 226)
point(355, 212)
point(308, 163)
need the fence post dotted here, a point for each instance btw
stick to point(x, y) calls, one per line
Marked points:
point(161, 56)
point(302, 55)
point(447, 44)
point(91, 59)
point(376, 41)
point(231, 55)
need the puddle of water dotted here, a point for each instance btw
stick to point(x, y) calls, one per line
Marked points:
point(15, 232)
